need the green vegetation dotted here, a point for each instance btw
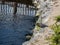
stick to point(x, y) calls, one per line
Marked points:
point(56, 38)
point(58, 18)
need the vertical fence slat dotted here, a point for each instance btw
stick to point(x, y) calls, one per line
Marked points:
point(1, 7)
point(25, 10)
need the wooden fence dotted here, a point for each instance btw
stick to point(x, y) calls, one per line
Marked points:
point(22, 9)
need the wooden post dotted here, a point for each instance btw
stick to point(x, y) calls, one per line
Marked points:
point(3, 1)
point(15, 8)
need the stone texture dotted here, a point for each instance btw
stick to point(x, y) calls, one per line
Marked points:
point(39, 38)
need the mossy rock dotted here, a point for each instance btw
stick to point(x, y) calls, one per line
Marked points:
point(37, 27)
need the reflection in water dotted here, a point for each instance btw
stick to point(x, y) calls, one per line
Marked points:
point(14, 29)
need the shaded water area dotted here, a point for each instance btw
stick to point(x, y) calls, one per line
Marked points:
point(13, 29)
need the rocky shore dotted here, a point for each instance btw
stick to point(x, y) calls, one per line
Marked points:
point(40, 37)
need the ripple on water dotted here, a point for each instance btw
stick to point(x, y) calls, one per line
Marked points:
point(12, 32)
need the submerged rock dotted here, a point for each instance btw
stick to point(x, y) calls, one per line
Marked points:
point(39, 38)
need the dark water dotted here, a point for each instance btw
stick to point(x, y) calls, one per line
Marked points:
point(13, 29)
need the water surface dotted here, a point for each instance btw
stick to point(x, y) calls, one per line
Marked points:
point(13, 29)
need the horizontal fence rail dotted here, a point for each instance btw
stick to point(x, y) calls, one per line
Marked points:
point(8, 8)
